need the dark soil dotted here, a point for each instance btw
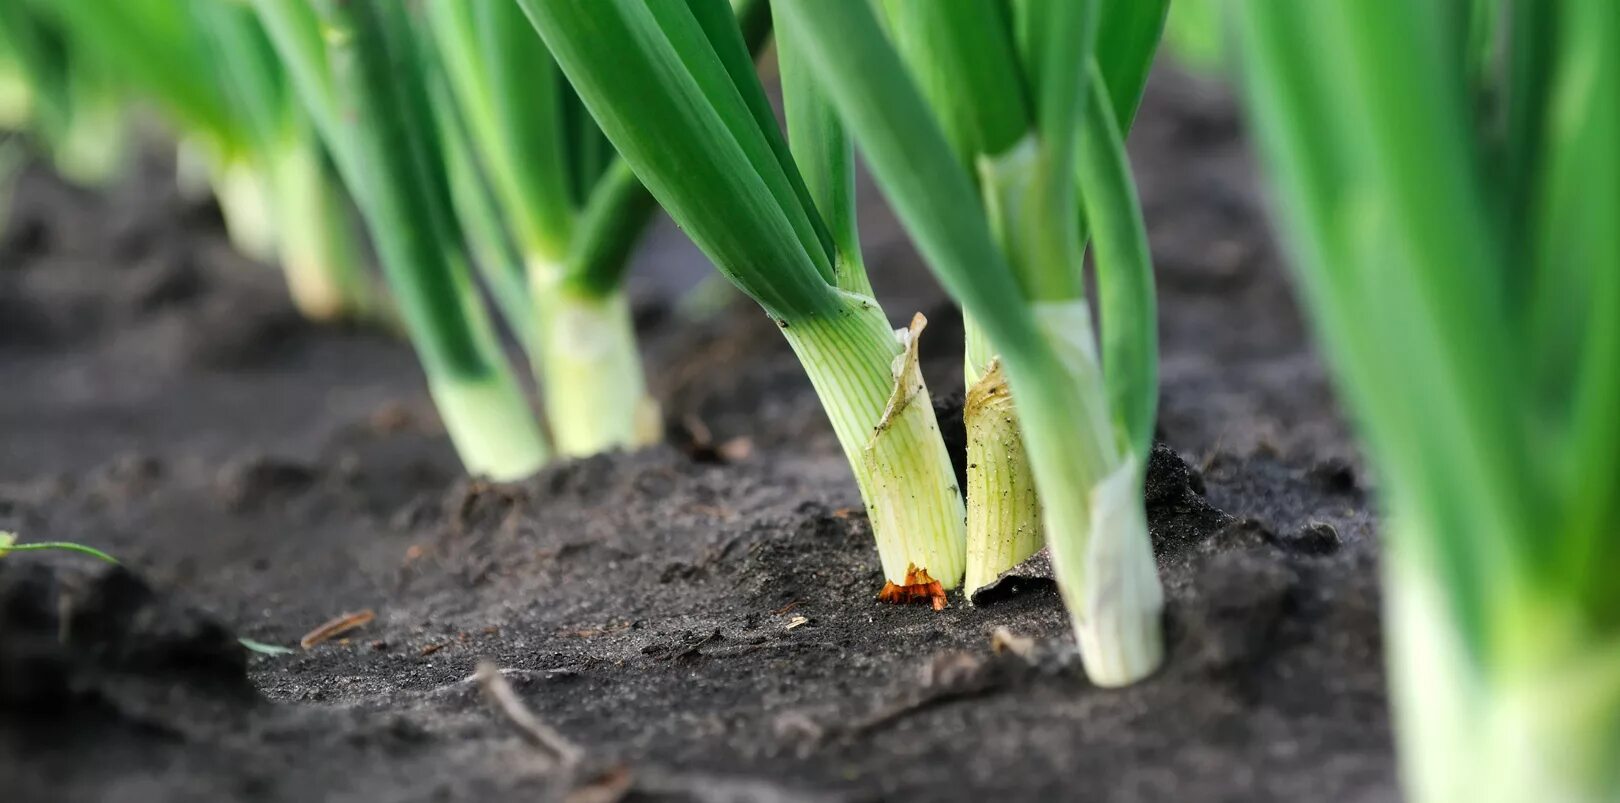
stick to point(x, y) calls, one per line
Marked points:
point(699, 618)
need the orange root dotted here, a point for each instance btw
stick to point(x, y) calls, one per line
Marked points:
point(919, 587)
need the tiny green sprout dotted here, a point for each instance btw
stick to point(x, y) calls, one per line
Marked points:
point(8, 544)
point(265, 649)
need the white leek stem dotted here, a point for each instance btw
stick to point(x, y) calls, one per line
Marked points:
point(591, 373)
point(490, 424)
point(1547, 729)
point(94, 149)
point(316, 238)
point(245, 201)
point(16, 98)
point(1096, 526)
point(867, 378)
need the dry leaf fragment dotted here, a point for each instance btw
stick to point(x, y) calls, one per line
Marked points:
point(337, 626)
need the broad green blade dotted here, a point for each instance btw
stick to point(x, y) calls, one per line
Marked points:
point(1127, 39)
point(706, 159)
point(402, 188)
point(1578, 267)
point(1057, 44)
point(826, 156)
point(1532, 38)
point(251, 77)
point(295, 31)
point(962, 55)
point(1418, 169)
point(720, 25)
point(1357, 144)
point(507, 89)
point(617, 205)
point(1125, 296)
point(1036, 187)
point(154, 46)
point(490, 246)
point(905, 149)
point(615, 215)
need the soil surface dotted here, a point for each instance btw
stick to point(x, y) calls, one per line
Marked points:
point(695, 621)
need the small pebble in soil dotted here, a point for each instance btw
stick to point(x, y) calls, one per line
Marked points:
point(1315, 538)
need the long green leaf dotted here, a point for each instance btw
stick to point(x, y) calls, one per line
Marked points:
point(827, 157)
point(295, 31)
point(251, 77)
point(403, 189)
point(154, 46)
point(1129, 325)
point(963, 57)
point(1127, 39)
point(615, 214)
point(507, 88)
point(706, 161)
point(906, 150)
point(1579, 243)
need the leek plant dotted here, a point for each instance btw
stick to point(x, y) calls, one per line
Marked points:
point(673, 87)
point(357, 65)
point(286, 199)
point(965, 59)
point(573, 210)
point(209, 70)
point(287, 202)
point(1452, 200)
point(59, 93)
point(1010, 250)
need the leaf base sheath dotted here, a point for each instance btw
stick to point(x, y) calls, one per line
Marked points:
point(1003, 509)
point(490, 424)
point(592, 377)
point(869, 382)
point(1548, 731)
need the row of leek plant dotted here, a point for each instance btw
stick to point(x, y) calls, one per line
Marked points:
point(552, 214)
point(573, 211)
point(59, 96)
point(674, 91)
point(362, 73)
point(1449, 180)
point(507, 172)
point(208, 69)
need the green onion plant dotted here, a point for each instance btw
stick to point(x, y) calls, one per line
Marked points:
point(965, 59)
point(282, 195)
point(61, 94)
point(673, 87)
point(1449, 180)
point(207, 67)
point(359, 68)
point(572, 208)
point(1009, 247)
